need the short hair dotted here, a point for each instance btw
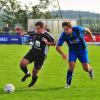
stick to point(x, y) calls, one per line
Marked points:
point(39, 23)
point(68, 24)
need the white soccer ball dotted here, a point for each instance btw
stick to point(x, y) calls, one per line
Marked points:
point(9, 88)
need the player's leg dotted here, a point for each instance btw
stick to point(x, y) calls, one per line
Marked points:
point(69, 74)
point(23, 65)
point(89, 69)
point(34, 76)
point(72, 61)
point(85, 63)
point(38, 62)
point(28, 58)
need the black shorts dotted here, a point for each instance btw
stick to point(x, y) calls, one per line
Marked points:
point(35, 56)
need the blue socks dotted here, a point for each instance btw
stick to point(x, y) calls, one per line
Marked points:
point(69, 77)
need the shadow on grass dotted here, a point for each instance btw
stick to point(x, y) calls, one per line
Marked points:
point(38, 89)
point(2, 91)
point(32, 89)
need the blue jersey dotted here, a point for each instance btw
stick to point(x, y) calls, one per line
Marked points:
point(75, 40)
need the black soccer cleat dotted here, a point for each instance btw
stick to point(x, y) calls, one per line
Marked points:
point(25, 77)
point(33, 81)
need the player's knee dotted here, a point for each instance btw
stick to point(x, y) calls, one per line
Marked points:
point(71, 69)
point(23, 63)
point(85, 66)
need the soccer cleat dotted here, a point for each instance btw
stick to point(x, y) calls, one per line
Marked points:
point(25, 77)
point(67, 86)
point(91, 74)
point(33, 81)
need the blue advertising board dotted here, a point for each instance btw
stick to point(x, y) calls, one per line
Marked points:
point(25, 39)
point(13, 39)
point(4, 39)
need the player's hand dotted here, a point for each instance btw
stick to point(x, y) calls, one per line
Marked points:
point(64, 57)
point(45, 40)
point(92, 38)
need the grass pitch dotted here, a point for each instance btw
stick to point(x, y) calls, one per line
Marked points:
point(51, 81)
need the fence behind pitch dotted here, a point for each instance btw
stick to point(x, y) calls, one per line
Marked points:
point(55, 25)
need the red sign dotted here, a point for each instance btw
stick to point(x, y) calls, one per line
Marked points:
point(88, 38)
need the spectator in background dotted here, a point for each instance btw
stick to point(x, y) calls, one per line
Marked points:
point(19, 31)
point(6, 29)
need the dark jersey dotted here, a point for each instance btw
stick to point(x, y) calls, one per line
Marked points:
point(38, 43)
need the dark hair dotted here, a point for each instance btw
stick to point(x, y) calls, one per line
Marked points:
point(39, 23)
point(68, 24)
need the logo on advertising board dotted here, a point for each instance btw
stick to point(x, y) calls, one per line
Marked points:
point(3, 39)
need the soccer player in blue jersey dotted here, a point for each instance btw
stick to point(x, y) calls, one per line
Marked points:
point(74, 37)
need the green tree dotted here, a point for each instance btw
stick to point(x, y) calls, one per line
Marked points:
point(41, 10)
point(21, 17)
point(9, 12)
point(13, 12)
point(3, 3)
point(80, 19)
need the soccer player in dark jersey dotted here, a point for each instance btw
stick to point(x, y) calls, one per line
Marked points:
point(73, 36)
point(41, 42)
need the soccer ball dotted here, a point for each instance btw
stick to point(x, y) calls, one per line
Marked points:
point(9, 88)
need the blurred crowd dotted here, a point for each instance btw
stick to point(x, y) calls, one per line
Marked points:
point(7, 30)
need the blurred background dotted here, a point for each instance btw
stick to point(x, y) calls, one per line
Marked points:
point(17, 17)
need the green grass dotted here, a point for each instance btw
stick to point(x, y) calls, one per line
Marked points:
point(51, 81)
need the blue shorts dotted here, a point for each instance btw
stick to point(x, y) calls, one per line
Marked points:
point(82, 56)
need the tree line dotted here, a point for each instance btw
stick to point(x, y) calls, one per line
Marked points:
point(84, 18)
point(12, 12)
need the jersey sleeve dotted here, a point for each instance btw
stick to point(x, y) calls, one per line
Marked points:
point(31, 33)
point(61, 40)
point(81, 29)
point(50, 37)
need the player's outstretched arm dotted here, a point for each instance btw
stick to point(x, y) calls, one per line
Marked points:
point(58, 48)
point(90, 33)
